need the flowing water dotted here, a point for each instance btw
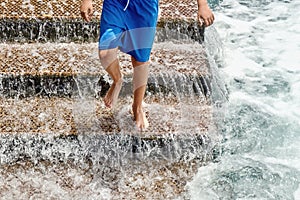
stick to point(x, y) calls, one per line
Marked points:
point(106, 158)
point(260, 152)
point(257, 52)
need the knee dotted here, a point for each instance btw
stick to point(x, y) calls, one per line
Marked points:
point(102, 54)
point(107, 57)
point(137, 63)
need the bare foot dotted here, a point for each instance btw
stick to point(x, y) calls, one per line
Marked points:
point(140, 119)
point(112, 95)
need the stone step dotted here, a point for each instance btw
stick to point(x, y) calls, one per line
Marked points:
point(177, 127)
point(57, 21)
point(89, 165)
point(69, 70)
point(76, 116)
point(100, 145)
point(40, 179)
point(32, 9)
point(70, 30)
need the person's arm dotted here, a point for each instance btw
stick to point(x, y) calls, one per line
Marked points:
point(87, 10)
point(205, 14)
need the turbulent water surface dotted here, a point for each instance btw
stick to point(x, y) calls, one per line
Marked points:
point(257, 51)
point(260, 153)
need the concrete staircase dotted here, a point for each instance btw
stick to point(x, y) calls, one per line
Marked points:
point(52, 117)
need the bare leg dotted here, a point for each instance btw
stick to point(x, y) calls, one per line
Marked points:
point(140, 77)
point(111, 65)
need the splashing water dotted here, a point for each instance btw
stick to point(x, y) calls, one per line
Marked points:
point(258, 157)
point(260, 149)
point(106, 159)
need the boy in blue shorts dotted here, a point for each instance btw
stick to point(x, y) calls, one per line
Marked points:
point(129, 26)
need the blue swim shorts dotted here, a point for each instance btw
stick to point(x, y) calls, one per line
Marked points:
point(129, 25)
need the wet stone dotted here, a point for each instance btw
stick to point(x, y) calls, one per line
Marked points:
point(70, 9)
point(57, 138)
point(67, 31)
point(75, 116)
point(49, 180)
point(69, 70)
point(56, 21)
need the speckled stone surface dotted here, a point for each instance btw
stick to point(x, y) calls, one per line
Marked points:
point(70, 9)
point(40, 168)
point(155, 180)
point(167, 108)
point(60, 21)
point(74, 116)
point(71, 58)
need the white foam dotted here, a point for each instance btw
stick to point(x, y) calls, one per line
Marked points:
point(199, 187)
point(297, 193)
point(262, 47)
point(235, 25)
point(237, 64)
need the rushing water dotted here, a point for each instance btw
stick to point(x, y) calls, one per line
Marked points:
point(260, 152)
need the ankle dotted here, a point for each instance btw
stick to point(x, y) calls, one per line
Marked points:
point(137, 108)
point(118, 80)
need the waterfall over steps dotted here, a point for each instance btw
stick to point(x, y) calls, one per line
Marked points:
point(52, 113)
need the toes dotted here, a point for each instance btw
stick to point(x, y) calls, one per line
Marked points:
point(141, 121)
point(107, 102)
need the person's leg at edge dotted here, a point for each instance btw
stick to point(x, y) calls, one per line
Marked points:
point(140, 78)
point(111, 64)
